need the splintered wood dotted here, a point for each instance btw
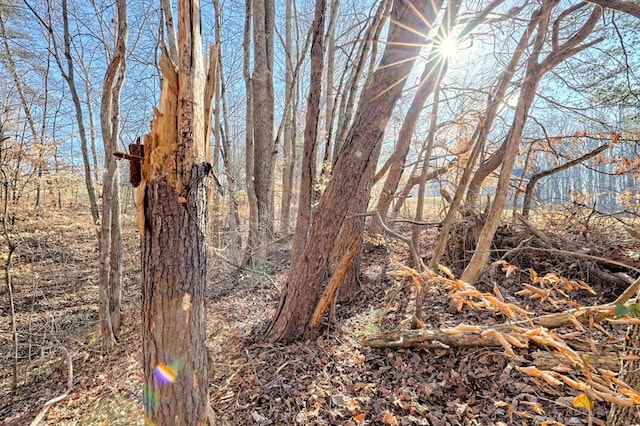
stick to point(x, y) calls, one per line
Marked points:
point(161, 143)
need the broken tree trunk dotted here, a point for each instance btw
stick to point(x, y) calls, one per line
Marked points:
point(172, 216)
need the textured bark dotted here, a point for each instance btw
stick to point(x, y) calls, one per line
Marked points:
point(174, 327)
point(351, 235)
point(311, 129)
point(263, 114)
point(172, 217)
point(330, 46)
point(410, 22)
point(350, 90)
point(396, 163)
point(330, 293)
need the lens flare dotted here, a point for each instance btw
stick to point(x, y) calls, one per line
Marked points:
point(165, 374)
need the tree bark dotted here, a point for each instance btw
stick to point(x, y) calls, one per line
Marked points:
point(330, 47)
point(410, 22)
point(263, 114)
point(311, 129)
point(172, 216)
point(289, 133)
point(351, 235)
point(110, 281)
point(350, 90)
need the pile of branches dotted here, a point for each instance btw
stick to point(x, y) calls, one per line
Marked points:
point(600, 253)
point(577, 346)
point(574, 346)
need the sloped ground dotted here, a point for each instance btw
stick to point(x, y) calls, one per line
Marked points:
point(334, 380)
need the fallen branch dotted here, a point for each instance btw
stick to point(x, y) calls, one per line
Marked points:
point(465, 335)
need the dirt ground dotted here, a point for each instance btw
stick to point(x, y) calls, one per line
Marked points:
point(334, 380)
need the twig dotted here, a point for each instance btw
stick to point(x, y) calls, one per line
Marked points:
point(255, 371)
point(415, 222)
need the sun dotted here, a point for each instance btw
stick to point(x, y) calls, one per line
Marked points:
point(448, 47)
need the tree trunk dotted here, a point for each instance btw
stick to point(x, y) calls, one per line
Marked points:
point(534, 73)
point(172, 43)
point(311, 129)
point(350, 90)
point(351, 235)
point(309, 266)
point(110, 233)
point(172, 216)
point(289, 134)
point(263, 114)
point(253, 240)
point(330, 47)
point(434, 70)
point(69, 77)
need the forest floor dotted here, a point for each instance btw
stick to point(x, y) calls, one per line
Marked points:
point(333, 380)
